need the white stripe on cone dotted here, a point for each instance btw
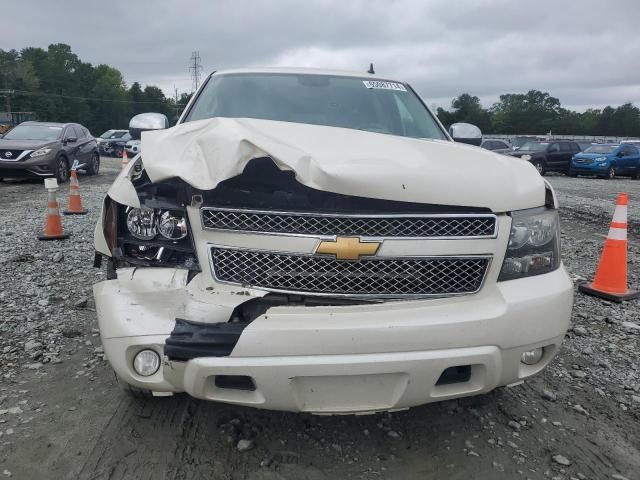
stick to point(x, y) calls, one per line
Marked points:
point(617, 233)
point(620, 215)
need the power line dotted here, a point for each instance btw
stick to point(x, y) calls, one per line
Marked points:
point(195, 67)
point(93, 99)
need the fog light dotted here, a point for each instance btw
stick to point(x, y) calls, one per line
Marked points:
point(532, 357)
point(146, 362)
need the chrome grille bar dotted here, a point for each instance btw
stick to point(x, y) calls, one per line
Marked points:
point(371, 277)
point(443, 226)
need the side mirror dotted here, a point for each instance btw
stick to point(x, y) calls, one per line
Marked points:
point(147, 121)
point(466, 133)
point(71, 140)
point(621, 154)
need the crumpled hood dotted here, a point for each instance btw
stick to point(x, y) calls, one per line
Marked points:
point(346, 161)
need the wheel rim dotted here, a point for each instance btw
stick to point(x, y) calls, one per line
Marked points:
point(95, 165)
point(612, 172)
point(62, 169)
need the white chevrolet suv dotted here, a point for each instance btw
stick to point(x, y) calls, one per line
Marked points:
point(311, 240)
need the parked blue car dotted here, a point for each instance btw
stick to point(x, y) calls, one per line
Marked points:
point(607, 161)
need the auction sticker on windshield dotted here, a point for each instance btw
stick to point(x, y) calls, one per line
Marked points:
point(377, 84)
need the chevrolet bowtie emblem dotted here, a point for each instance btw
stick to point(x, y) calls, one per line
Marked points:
point(348, 248)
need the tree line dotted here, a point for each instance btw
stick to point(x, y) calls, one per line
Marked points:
point(537, 112)
point(59, 87)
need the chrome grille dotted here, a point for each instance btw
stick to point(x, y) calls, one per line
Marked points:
point(415, 226)
point(584, 161)
point(322, 275)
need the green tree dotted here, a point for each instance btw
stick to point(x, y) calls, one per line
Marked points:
point(466, 108)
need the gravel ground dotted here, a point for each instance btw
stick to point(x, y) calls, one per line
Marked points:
point(63, 416)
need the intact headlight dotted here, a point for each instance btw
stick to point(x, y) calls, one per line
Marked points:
point(141, 223)
point(40, 152)
point(526, 157)
point(534, 244)
point(601, 159)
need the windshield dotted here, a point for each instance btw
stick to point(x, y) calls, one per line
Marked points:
point(533, 147)
point(34, 132)
point(601, 149)
point(335, 101)
point(107, 134)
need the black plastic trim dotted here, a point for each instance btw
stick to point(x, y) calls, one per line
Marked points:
point(190, 340)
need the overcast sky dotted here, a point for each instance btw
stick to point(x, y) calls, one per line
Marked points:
point(587, 53)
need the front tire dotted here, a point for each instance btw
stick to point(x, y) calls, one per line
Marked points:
point(539, 164)
point(61, 169)
point(132, 391)
point(611, 173)
point(94, 165)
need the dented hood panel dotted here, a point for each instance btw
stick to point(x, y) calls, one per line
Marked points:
point(345, 161)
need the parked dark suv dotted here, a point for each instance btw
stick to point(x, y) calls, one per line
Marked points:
point(551, 156)
point(39, 149)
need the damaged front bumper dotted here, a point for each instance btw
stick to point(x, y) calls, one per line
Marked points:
point(334, 359)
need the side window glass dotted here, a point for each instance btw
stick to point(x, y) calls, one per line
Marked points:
point(553, 148)
point(564, 147)
point(78, 132)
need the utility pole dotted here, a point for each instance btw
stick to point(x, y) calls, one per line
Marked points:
point(195, 67)
point(175, 89)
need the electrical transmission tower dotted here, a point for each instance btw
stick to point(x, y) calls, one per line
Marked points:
point(195, 67)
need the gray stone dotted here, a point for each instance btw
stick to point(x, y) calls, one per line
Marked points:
point(81, 302)
point(32, 345)
point(245, 445)
point(549, 395)
point(580, 331)
point(580, 409)
point(630, 326)
point(561, 460)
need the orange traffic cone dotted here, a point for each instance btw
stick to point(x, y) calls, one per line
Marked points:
point(611, 277)
point(53, 221)
point(125, 158)
point(75, 203)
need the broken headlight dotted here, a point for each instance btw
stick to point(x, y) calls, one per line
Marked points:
point(147, 223)
point(172, 226)
point(534, 244)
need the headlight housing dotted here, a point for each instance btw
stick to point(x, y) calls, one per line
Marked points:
point(526, 157)
point(534, 244)
point(147, 223)
point(41, 152)
point(141, 223)
point(602, 159)
point(172, 226)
